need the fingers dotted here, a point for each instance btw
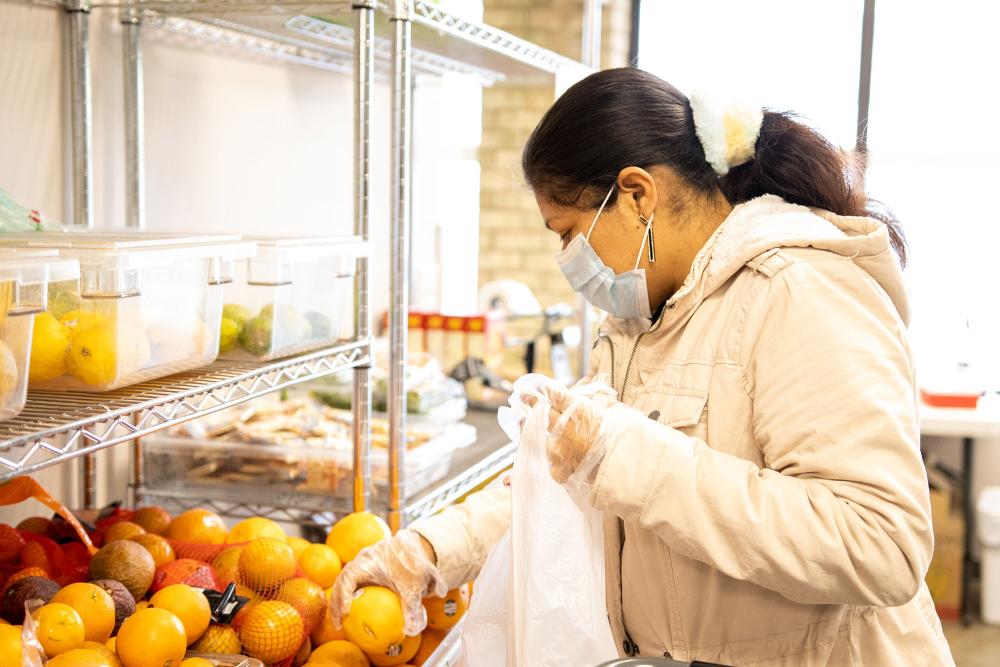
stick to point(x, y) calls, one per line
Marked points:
point(529, 399)
point(414, 616)
point(343, 594)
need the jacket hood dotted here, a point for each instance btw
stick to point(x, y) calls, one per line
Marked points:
point(768, 223)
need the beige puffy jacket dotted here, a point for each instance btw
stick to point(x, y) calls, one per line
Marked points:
point(774, 509)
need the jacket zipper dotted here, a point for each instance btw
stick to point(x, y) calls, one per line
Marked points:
point(635, 348)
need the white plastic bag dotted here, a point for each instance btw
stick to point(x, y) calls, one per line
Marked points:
point(540, 600)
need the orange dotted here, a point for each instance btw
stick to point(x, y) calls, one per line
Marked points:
point(375, 621)
point(325, 632)
point(338, 654)
point(142, 604)
point(33, 555)
point(428, 644)
point(265, 564)
point(253, 528)
point(24, 574)
point(153, 519)
point(151, 638)
point(272, 631)
point(355, 532)
point(10, 643)
point(103, 650)
point(298, 545)
point(187, 604)
point(197, 662)
point(302, 656)
point(157, 546)
point(122, 530)
point(197, 526)
point(397, 654)
point(219, 639)
point(60, 628)
point(320, 563)
point(444, 613)
point(95, 606)
point(227, 565)
point(82, 657)
point(111, 644)
point(307, 598)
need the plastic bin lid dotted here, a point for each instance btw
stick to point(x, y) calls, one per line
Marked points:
point(33, 268)
point(133, 250)
point(290, 249)
point(988, 516)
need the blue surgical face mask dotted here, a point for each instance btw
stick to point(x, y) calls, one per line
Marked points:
point(623, 295)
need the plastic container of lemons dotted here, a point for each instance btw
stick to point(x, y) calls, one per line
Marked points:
point(25, 281)
point(146, 306)
point(294, 296)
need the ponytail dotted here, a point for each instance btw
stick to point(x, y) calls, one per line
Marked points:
point(796, 163)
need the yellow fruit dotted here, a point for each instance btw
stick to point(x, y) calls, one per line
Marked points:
point(103, 650)
point(227, 565)
point(95, 607)
point(10, 643)
point(151, 638)
point(60, 628)
point(397, 654)
point(444, 613)
point(187, 604)
point(375, 621)
point(197, 662)
point(265, 564)
point(253, 528)
point(320, 563)
point(49, 341)
point(325, 632)
point(197, 526)
point(142, 604)
point(77, 319)
point(429, 642)
point(219, 639)
point(123, 530)
point(153, 519)
point(338, 654)
point(8, 373)
point(111, 643)
point(355, 532)
point(229, 333)
point(157, 546)
point(307, 598)
point(298, 545)
point(82, 657)
point(93, 355)
point(272, 631)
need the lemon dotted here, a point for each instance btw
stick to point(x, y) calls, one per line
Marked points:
point(93, 355)
point(48, 348)
point(8, 372)
point(78, 319)
point(375, 622)
point(229, 331)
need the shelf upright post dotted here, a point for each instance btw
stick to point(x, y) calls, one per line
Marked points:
point(402, 141)
point(590, 55)
point(364, 82)
point(135, 202)
point(81, 124)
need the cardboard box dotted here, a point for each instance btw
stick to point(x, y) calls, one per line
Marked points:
point(944, 576)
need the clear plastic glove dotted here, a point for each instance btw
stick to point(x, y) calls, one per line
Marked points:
point(403, 563)
point(576, 415)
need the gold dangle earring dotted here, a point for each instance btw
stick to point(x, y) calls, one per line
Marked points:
point(649, 234)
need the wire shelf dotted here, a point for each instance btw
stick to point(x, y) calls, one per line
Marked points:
point(57, 426)
point(457, 486)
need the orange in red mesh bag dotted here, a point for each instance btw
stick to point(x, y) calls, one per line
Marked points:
point(20, 489)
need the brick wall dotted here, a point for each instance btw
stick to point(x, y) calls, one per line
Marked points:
point(513, 241)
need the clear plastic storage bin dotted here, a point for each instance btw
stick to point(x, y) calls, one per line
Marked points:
point(146, 306)
point(293, 297)
point(25, 281)
point(276, 471)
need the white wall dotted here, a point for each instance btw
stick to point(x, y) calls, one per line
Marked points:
point(234, 142)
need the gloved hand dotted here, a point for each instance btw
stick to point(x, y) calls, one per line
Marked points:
point(403, 563)
point(576, 415)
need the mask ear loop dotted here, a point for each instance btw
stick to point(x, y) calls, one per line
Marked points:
point(645, 235)
point(599, 211)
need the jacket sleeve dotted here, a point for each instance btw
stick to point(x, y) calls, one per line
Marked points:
point(839, 513)
point(462, 535)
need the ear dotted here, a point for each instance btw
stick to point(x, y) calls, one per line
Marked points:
point(637, 190)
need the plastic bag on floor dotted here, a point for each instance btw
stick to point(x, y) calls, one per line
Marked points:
point(539, 600)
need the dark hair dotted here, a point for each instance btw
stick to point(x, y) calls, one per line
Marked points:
point(621, 117)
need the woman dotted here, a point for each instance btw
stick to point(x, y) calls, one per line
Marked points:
point(765, 499)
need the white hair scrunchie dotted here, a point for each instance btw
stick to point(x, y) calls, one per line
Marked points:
point(727, 133)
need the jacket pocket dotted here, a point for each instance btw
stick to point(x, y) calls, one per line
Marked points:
point(677, 407)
